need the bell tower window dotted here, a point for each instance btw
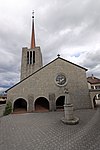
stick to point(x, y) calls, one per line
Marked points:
point(33, 57)
point(30, 57)
point(27, 57)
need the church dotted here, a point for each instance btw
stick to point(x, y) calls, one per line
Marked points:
point(41, 88)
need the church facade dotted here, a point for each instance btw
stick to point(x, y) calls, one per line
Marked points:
point(42, 87)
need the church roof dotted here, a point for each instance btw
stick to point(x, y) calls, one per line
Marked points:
point(46, 66)
point(93, 80)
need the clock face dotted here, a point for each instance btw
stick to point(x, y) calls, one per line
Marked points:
point(61, 80)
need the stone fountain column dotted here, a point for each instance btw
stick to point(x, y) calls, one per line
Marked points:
point(69, 117)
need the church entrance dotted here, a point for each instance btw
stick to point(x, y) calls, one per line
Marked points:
point(41, 104)
point(60, 103)
point(20, 106)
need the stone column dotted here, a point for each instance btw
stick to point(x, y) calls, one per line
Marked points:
point(52, 101)
point(30, 101)
point(68, 111)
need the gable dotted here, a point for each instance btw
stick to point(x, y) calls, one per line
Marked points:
point(57, 65)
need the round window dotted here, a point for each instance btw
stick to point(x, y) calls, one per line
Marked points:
point(61, 79)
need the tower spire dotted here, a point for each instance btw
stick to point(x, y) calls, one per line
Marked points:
point(33, 32)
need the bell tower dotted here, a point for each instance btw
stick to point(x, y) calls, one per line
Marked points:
point(32, 57)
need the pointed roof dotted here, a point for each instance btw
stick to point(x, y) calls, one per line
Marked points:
point(93, 80)
point(33, 33)
point(45, 67)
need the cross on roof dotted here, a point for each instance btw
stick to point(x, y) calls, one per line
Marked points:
point(58, 55)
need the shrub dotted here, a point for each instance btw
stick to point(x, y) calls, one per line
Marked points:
point(8, 108)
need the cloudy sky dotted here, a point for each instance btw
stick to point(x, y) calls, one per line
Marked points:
point(70, 28)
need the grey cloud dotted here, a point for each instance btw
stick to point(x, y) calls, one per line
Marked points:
point(72, 15)
point(8, 79)
point(92, 59)
point(60, 26)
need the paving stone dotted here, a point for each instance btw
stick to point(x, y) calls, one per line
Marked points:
point(45, 131)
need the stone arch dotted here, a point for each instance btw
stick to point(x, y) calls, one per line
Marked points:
point(20, 105)
point(41, 104)
point(93, 95)
point(96, 100)
point(60, 103)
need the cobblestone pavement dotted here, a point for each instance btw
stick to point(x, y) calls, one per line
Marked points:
point(45, 131)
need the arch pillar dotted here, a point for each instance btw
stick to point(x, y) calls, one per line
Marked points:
point(52, 103)
point(91, 96)
point(30, 100)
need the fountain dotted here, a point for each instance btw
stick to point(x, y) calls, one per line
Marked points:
point(69, 117)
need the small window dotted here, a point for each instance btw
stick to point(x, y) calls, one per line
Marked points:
point(97, 87)
point(92, 87)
